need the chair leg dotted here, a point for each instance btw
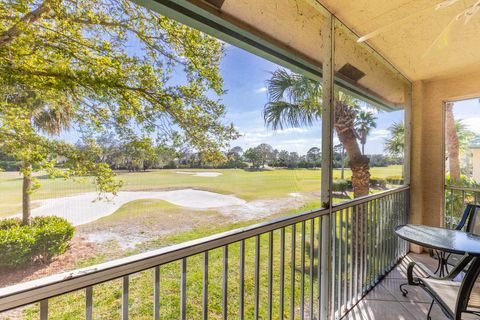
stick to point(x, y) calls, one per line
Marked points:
point(404, 291)
point(430, 310)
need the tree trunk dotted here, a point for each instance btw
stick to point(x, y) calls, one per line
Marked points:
point(452, 144)
point(359, 164)
point(26, 190)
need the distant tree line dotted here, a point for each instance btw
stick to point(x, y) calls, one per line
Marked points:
point(145, 153)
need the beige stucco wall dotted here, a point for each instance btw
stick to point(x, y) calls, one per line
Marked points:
point(476, 164)
point(427, 178)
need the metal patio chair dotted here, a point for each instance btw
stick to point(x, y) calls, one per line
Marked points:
point(454, 298)
point(468, 223)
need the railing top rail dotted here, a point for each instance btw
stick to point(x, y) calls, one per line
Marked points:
point(47, 287)
point(368, 198)
point(458, 188)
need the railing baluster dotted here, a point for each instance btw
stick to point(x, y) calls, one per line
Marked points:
point(225, 284)
point(282, 272)
point(312, 258)
point(334, 264)
point(361, 231)
point(205, 287)
point(270, 274)
point(257, 276)
point(242, 280)
point(377, 241)
point(88, 303)
point(357, 251)
point(292, 276)
point(345, 262)
point(352, 254)
point(319, 267)
point(302, 274)
point(44, 309)
point(156, 293)
point(125, 293)
point(389, 237)
point(371, 247)
point(339, 216)
point(451, 208)
point(183, 290)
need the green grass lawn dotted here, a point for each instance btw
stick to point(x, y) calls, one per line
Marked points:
point(248, 185)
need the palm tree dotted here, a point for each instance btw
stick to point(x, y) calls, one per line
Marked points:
point(295, 100)
point(453, 148)
point(457, 139)
point(395, 144)
point(49, 118)
point(365, 122)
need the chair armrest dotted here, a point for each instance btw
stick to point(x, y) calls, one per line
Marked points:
point(411, 279)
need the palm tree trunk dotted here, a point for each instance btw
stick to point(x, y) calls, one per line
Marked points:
point(26, 190)
point(452, 144)
point(359, 164)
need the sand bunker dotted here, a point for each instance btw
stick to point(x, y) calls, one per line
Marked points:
point(200, 174)
point(85, 208)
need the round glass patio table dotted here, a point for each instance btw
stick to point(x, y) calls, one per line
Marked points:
point(452, 241)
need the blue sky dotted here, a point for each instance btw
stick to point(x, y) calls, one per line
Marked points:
point(469, 112)
point(245, 75)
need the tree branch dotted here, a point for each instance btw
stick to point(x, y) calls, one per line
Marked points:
point(10, 34)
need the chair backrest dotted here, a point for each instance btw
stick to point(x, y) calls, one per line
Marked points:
point(473, 225)
point(469, 294)
point(465, 217)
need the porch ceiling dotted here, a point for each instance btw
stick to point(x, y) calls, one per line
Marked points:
point(421, 41)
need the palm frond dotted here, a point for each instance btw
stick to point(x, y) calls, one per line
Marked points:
point(280, 114)
point(294, 100)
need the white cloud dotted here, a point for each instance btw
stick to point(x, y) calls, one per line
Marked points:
point(472, 123)
point(260, 90)
point(378, 134)
point(292, 130)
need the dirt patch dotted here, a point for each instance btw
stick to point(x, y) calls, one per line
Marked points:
point(126, 232)
point(79, 249)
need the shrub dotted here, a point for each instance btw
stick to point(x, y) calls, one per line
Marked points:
point(395, 180)
point(378, 182)
point(8, 223)
point(52, 235)
point(16, 245)
point(339, 185)
point(44, 238)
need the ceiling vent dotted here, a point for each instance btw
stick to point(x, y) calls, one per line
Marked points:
point(351, 72)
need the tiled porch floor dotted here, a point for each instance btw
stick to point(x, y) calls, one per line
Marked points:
point(385, 301)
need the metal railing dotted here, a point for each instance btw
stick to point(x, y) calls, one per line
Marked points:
point(266, 271)
point(456, 199)
point(365, 247)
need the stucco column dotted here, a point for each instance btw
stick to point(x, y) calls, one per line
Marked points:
point(428, 155)
point(416, 193)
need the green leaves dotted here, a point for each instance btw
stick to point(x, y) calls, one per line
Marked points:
point(103, 65)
